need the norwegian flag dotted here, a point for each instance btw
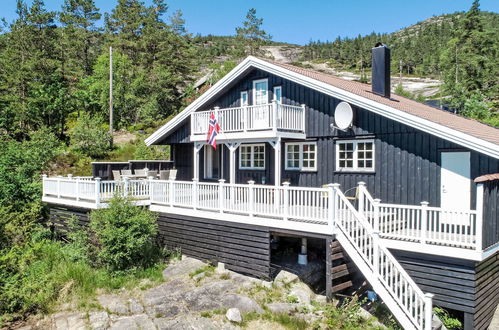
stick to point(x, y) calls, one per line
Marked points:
point(213, 130)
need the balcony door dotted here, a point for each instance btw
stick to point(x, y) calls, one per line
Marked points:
point(260, 111)
point(212, 164)
point(455, 182)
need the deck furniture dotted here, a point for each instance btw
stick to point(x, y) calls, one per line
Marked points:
point(142, 172)
point(153, 174)
point(116, 175)
point(126, 172)
point(164, 175)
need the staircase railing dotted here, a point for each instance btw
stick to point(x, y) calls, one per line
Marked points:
point(411, 307)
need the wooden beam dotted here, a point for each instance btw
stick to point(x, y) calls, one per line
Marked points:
point(329, 273)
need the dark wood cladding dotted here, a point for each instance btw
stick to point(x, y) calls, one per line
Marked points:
point(59, 216)
point(242, 248)
point(462, 285)
point(183, 158)
point(491, 213)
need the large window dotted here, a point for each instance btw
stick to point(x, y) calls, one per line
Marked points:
point(355, 155)
point(278, 94)
point(260, 92)
point(301, 156)
point(252, 156)
point(244, 98)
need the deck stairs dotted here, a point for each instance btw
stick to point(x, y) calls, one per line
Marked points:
point(410, 306)
point(343, 270)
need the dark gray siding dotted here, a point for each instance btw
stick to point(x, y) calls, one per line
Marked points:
point(486, 291)
point(183, 157)
point(491, 212)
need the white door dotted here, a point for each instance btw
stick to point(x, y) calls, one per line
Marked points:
point(455, 184)
point(260, 111)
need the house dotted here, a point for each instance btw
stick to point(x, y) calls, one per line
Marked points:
point(409, 192)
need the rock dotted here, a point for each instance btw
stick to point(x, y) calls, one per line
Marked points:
point(220, 268)
point(199, 277)
point(141, 321)
point(284, 278)
point(68, 320)
point(242, 303)
point(182, 268)
point(166, 292)
point(281, 308)
point(303, 296)
point(266, 284)
point(113, 303)
point(234, 315)
point(98, 320)
point(191, 322)
point(135, 307)
point(171, 309)
point(321, 299)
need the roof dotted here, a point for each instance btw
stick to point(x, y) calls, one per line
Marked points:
point(487, 177)
point(463, 131)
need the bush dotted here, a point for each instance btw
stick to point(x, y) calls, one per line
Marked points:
point(125, 234)
point(89, 136)
point(449, 322)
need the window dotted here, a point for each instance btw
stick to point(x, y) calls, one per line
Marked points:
point(252, 156)
point(211, 162)
point(301, 156)
point(260, 92)
point(355, 155)
point(278, 94)
point(244, 98)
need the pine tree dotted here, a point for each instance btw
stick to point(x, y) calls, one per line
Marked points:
point(252, 34)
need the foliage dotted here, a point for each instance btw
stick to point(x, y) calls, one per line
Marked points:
point(346, 316)
point(89, 136)
point(448, 321)
point(125, 234)
point(251, 33)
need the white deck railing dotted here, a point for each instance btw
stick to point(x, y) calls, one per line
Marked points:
point(422, 223)
point(272, 116)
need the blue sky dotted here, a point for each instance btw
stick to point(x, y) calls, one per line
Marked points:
point(297, 21)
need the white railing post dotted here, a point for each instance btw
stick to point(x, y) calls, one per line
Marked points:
point(126, 184)
point(428, 311)
point(97, 191)
point(303, 117)
point(59, 186)
point(171, 194)
point(479, 217)
point(245, 119)
point(194, 193)
point(221, 195)
point(216, 110)
point(151, 189)
point(251, 197)
point(274, 115)
point(375, 236)
point(376, 214)
point(285, 202)
point(44, 177)
point(332, 205)
point(77, 192)
point(424, 222)
point(360, 194)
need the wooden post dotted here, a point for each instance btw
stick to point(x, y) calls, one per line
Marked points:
point(126, 183)
point(375, 236)
point(376, 215)
point(151, 189)
point(428, 311)
point(360, 194)
point(274, 116)
point(245, 118)
point(221, 195)
point(285, 203)
point(194, 193)
point(479, 217)
point(329, 269)
point(97, 191)
point(424, 222)
point(303, 117)
point(197, 147)
point(171, 195)
point(277, 162)
point(332, 207)
point(251, 197)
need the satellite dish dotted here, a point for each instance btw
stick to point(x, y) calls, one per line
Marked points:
point(343, 116)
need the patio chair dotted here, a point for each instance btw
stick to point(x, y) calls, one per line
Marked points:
point(164, 175)
point(116, 175)
point(154, 174)
point(142, 172)
point(173, 174)
point(126, 172)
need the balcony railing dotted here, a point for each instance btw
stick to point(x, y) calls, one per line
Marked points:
point(272, 116)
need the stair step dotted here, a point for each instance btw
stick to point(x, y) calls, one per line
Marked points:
point(342, 286)
point(335, 244)
point(337, 249)
point(348, 267)
point(337, 256)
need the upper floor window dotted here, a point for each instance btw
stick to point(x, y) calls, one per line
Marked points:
point(278, 94)
point(260, 91)
point(355, 155)
point(252, 156)
point(244, 98)
point(301, 156)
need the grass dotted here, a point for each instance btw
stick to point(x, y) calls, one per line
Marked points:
point(208, 271)
point(210, 314)
point(288, 321)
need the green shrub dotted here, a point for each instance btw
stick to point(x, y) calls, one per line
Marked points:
point(89, 136)
point(450, 322)
point(125, 234)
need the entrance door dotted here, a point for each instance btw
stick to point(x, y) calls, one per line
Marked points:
point(455, 181)
point(211, 162)
point(260, 111)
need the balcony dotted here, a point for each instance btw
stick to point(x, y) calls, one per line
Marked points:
point(258, 121)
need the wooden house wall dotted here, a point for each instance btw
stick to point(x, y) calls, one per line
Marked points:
point(491, 212)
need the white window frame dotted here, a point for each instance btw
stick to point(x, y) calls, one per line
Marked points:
point(254, 90)
point(252, 156)
point(355, 167)
point(247, 98)
point(300, 168)
point(274, 94)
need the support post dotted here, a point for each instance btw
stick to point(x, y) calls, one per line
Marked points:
point(126, 184)
point(59, 186)
point(171, 194)
point(424, 222)
point(302, 257)
point(151, 189)
point(221, 195)
point(376, 215)
point(274, 115)
point(285, 204)
point(245, 118)
point(277, 161)
point(77, 190)
point(251, 197)
point(428, 311)
point(332, 207)
point(44, 177)
point(97, 191)
point(195, 167)
point(375, 236)
point(194, 193)
point(329, 270)
point(479, 217)
point(360, 194)
point(303, 117)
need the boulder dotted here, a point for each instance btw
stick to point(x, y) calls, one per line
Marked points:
point(98, 320)
point(284, 278)
point(281, 308)
point(113, 303)
point(303, 296)
point(242, 303)
point(234, 315)
point(182, 268)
